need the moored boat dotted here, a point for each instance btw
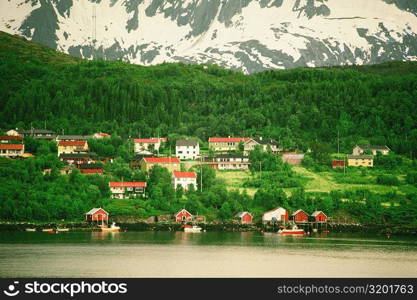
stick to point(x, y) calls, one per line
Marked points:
point(293, 231)
point(30, 229)
point(112, 228)
point(194, 228)
point(62, 229)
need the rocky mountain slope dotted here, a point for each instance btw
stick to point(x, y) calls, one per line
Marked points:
point(247, 35)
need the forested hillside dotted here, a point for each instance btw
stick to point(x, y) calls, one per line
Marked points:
point(370, 104)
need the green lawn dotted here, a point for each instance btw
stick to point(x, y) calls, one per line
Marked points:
point(234, 180)
point(352, 180)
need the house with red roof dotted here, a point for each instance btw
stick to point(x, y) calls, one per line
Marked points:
point(226, 143)
point(171, 163)
point(91, 169)
point(145, 145)
point(184, 179)
point(11, 139)
point(101, 135)
point(299, 216)
point(12, 150)
point(127, 189)
point(72, 147)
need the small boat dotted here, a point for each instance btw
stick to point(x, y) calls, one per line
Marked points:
point(30, 229)
point(47, 229)
point(112, 228)
point(62, 229)
point(293, 231)
point(194, 228)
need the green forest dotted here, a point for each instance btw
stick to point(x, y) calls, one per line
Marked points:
point(301, 109)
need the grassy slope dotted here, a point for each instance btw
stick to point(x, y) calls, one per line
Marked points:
point(332, 181)
point(234, 180)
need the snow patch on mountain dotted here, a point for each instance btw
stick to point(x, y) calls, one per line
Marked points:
point(246, 35)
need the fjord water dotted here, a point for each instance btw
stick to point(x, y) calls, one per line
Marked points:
point(208, 254)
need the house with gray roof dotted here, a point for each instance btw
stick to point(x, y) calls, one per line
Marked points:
point(187, 149)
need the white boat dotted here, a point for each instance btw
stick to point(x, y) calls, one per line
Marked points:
point(194, 228)
point(62, 229)
point(30, 229)
point(112, 228)
point(293, 231)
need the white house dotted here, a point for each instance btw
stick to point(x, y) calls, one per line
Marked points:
point(187, 149)
point(360, 149)
point(101, 135)
point(12, 150)
point(278, 214)
point(229, 162)
point(184, 179)
point(264, 145)
point(122, 190)
point(13, 132)
point(144, 145)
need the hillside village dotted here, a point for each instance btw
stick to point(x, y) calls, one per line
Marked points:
point(185, 163)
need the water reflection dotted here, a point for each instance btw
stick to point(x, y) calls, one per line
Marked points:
point(217, 254)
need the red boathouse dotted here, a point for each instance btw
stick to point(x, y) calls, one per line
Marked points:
point(300, 216)
point(97, 215)
point(245, 217)
point(318, 216)
point(183, 215)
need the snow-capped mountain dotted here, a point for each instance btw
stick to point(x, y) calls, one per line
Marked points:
point(247, 35)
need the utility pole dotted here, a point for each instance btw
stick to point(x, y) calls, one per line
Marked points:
point(338, 144)
point(201, 174)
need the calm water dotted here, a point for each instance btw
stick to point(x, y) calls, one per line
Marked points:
point(209, 254)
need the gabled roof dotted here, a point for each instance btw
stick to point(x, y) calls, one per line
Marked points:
point(114, 184)
point(298, 211)
point(74, 155)
point(262, 141)
point(162, 160)
point(317, 212)
point(228, 139)
point(72, 143)
point(11, 146)
point(276, 208)
point(92, 171)
point(230, 156)
point(103, 134)
point(147, 141)
point(242, 213)
point(178, 174)
point(73, 137)
point(373, 147)
point(94, 210)
point(36, 131)
point(182, 210)
point(91, 166)
point(180, 143)
point(360, 156)
point(11, 137)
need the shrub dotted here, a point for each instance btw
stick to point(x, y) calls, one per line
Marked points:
point(387, 180)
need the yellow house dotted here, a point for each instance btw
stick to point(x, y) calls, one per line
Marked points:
point(171, 163)
point(360, 161)
point(72, 147)
point(226, 144)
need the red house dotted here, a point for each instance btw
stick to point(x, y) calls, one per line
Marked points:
point(245, 217)
point(97, 215)
point(183, 215)
point(318, 216)
point(337, 163)
point(300, 216)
